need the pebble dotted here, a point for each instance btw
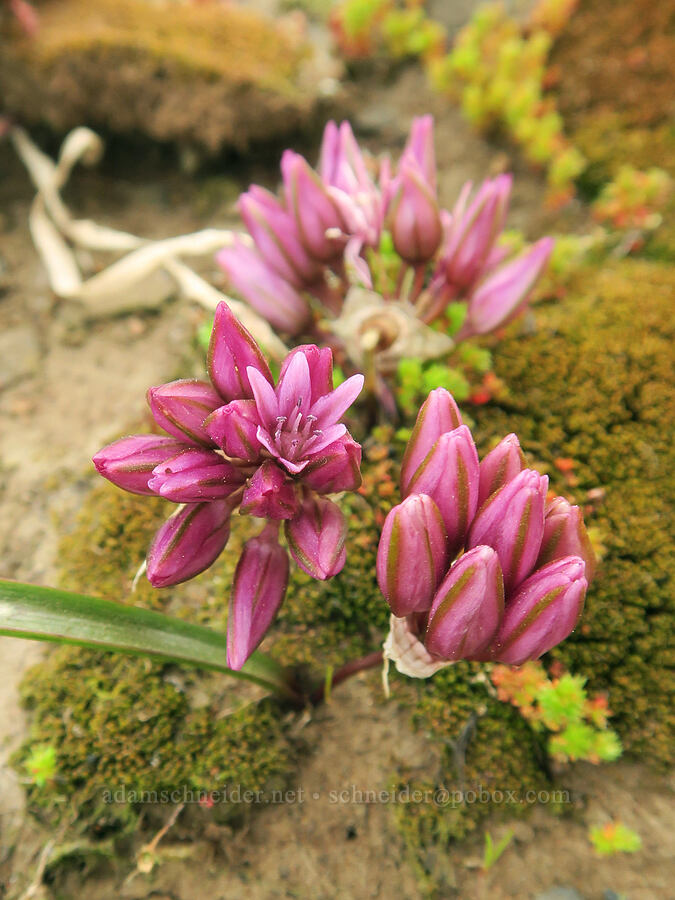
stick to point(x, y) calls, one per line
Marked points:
point(560, 893)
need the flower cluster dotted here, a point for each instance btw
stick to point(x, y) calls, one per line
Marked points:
point(309, 243)
point(239, 441)
point(518, 587)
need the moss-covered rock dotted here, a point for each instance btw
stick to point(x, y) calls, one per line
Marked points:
point(203, 74)
point(594, 384)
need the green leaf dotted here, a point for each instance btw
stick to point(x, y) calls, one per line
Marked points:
point(47, 614)
point(492, 852)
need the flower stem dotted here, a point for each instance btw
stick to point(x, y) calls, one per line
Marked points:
point(353, 667)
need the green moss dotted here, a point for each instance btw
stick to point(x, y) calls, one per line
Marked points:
point(119, 722)
point(594, 384)
point(327, 623)
point(125, 732)
point(200, 75)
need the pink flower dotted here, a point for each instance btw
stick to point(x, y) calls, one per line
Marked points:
point(242, 442)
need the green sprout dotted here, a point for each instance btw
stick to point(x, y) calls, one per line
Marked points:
point(613, 838)
point(41, 764)
point(493, 851)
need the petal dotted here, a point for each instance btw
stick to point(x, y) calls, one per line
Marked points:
point(294, 389)
point(331, 407)
point(270, 494)
point(258, 590)
point(180, 408)
point(325, 439)
point(320, 362)
point(265, 399)
point(194, 476)
point(128, 463)
point(232, 350)
point(189, 542)
point(336, 469)
point(316, 538)
point(234, 428)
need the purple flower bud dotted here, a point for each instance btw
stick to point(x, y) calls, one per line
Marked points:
point(314, 211)
point(468, 607)
point(189, 542)
point(316, 537)
point(472, 232)
point(276, 236)
point(341, 163)
point(502, 464)
point(502, 295)
point(195, 475)
point(234, 427)
point(270, 494)
point(413, 217)
point(266, 291)
point(259, 586)
point(565, 535)
point(343, 169)
point(336, 469)
point(412, 555)
point(180, 408)
point(450, 475)
point(542, 613)
point(511, 521)
point(231, 351)
point(420, 146)
point(438, 414)
point(129, 462)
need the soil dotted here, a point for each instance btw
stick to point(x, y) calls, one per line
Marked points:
point(70, 386)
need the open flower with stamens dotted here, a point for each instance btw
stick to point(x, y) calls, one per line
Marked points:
point(490, 571)
point(357, 222)
point(274, 452)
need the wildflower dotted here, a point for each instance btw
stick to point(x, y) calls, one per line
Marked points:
point(239, 441)
point(413, 215)
point(517, 587)
point(327, 230)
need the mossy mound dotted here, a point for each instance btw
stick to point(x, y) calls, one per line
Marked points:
point(618, 56)
point(128, 732)
point(204, 75)
point(117, 722)
point(608, 142)
point(128, 737)
point(491, 763)
point(594, 385)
